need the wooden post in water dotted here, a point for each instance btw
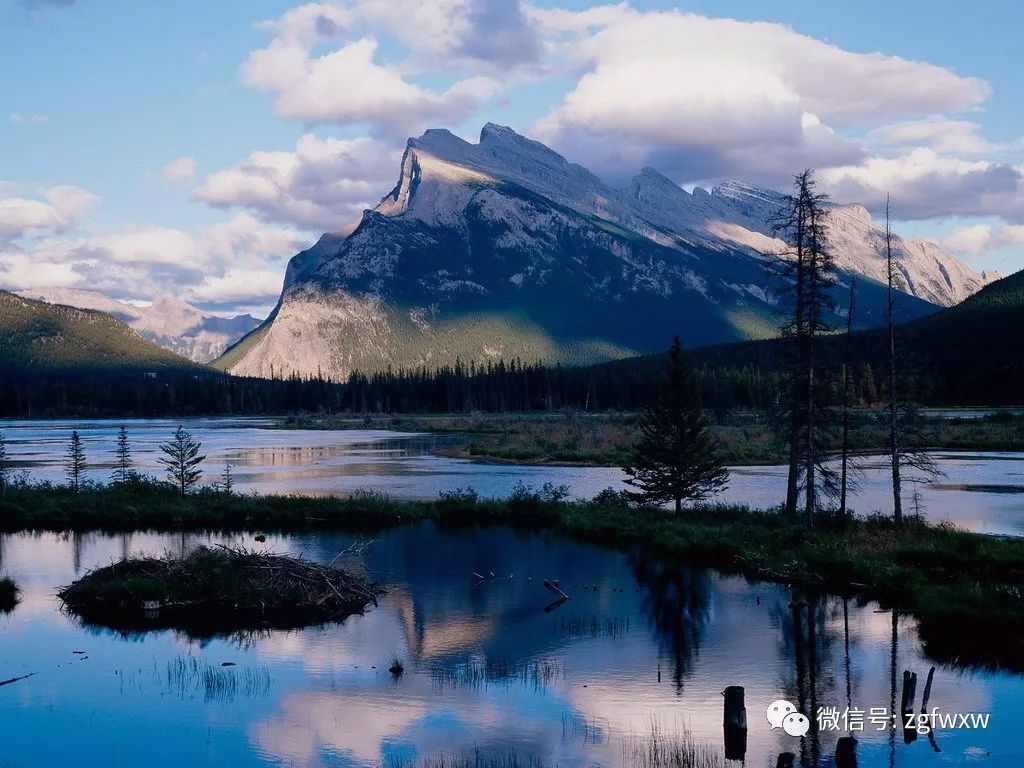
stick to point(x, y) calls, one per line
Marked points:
point(846, 752)
point(734, 721)
point(786, 760)
point(927, 690)
point(907, 705)
point(909, 691)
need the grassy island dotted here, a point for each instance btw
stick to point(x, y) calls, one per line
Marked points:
point(217, 589)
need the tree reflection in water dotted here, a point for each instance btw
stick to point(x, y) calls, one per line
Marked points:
point(677, 599)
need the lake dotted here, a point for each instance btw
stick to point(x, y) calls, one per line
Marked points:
point(491, 666)
point(981, 492)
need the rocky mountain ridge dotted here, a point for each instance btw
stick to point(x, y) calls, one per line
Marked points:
point(505, 249)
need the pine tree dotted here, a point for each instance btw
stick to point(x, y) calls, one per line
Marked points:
point(123, 464)
point(808, 272)
point(74, 462)
point(227, 479)
point(675, 457)
point(182, 459)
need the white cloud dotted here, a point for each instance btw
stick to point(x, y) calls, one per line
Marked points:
point(144, 245)
point(942, 134)
point(702, 98)
point(324, 184)
point(180, 170)
point(980, 239)
point(59, 210)
point(16, 118)
point(471, 34)
point(348, 85)
point(924, 184)
point(241, 288)
point(227, 263)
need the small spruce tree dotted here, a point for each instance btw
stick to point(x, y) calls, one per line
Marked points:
point(675, 458)
point(123, 464)
point(74, 462)
point(227, 479)
point(182, 459)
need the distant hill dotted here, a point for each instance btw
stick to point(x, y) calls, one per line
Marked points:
point(36, 337)
point(168, 322)
point(972, 353)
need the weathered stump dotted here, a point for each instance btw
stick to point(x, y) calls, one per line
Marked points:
point(734, 721)
point(846, 752)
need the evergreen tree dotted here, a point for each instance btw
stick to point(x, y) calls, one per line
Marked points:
point(227, 479)
point(123, 464)
point(675, 457)
point(808, 271)
point(182, 459)
point(74, 462)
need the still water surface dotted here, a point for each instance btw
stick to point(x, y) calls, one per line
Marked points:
point(487, 667)
point(979, 491)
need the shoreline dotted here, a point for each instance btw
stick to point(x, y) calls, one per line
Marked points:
point(962, 587)
point(605, 439)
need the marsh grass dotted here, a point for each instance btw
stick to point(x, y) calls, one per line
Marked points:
point(663, 747)
point(659, 747)
point(190, 678)
point(467, 761)
point(609, 627)
point(482, 673)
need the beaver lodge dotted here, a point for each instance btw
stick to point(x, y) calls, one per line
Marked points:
point(218, 589)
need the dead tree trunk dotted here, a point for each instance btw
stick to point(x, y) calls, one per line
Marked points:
point(844, 469)
point(894, 446)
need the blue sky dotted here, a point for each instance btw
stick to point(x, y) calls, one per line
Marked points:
point(128, 130)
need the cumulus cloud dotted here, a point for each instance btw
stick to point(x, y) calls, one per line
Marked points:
point(324, 184)
point(937, 132)
point(467, 33)
point(180, 170)
point(924, 184)
point(350, 83)
point(980, 239)
point(57, 209)
point(713, 97)
point(227, 264)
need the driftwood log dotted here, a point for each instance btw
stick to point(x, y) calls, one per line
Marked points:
point(552, 585)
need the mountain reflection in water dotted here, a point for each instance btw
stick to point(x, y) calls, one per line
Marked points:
point(486, 667)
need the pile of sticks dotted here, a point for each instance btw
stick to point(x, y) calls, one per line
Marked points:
point(222, 581)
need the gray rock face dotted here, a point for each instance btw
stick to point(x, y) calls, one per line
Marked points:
point(505, 249)
point(168, 322)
